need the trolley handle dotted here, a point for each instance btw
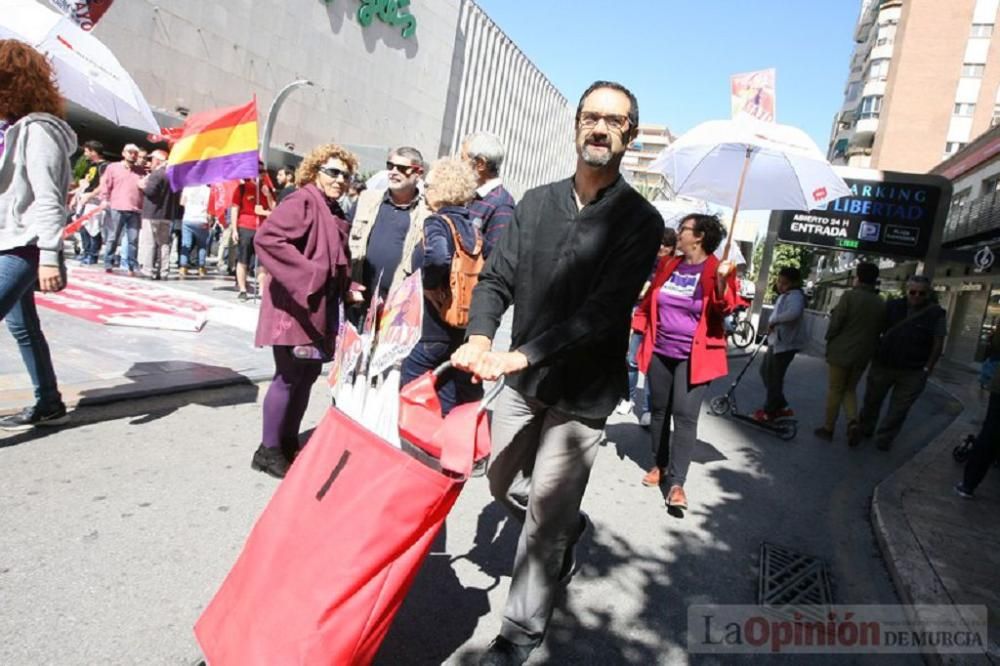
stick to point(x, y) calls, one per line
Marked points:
point(488, 397)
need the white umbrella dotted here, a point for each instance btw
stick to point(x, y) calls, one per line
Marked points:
point(751, 164)
point(86, 70)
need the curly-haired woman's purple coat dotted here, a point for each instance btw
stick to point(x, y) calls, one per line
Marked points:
point(303, 246)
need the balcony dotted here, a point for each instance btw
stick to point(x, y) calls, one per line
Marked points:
point(978, 217)
point(866, 124)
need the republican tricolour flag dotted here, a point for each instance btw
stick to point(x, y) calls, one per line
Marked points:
point(215, 146)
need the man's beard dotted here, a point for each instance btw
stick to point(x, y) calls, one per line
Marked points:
point(596, 159)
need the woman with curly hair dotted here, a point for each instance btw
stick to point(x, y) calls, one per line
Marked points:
point(450, 186)
point(303, 247)
point(34, 181)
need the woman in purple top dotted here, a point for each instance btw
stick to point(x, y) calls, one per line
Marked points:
point(684, 348)
point(303, 246)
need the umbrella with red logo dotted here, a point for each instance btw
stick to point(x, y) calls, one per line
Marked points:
point(86, 70)
point(747, 163)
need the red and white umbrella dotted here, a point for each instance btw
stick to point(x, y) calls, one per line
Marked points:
point(87, 72)
point(747, 163)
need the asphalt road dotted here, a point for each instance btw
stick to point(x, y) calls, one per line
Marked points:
point(118, 529)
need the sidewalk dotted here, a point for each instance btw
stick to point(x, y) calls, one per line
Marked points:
point(114, 337)
point(940, 548)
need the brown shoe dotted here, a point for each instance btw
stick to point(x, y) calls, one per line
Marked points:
point(676, 498)
point(824, 434)
point(652, 478)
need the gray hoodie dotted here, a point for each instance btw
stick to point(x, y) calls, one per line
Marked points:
point(34, 179)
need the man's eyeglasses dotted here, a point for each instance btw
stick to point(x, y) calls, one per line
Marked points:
point(405, 169)
point(335, 173)
point(917, 292)
point(613, 121)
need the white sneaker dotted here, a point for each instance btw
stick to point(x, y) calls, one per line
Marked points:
point(624, 407)
point(645, 419)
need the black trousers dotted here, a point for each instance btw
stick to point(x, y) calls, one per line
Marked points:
point(672, 395)
point(772, 373)
point(987, 446)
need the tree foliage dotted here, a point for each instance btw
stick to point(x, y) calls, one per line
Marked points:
point(785, 255)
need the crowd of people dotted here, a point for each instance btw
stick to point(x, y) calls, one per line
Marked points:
point(571, 258)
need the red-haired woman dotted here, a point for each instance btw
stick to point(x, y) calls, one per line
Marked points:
point(34, 180)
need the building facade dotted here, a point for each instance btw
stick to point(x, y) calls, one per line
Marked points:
point(924, 80)
point(968, 278)
point(374, 86)
point(652, 139)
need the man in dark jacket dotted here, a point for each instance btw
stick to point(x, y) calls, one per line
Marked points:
point(572, 263)
point(160, 207)
point(851, 339)
point(909, 348)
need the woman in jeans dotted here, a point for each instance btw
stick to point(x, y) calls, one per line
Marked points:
point(450, 186)
point(684, 346)
point(34, 183)
point(303, 246)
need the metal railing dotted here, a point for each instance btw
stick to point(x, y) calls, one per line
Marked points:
point(975, 217)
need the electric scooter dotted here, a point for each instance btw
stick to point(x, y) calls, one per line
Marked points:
point(782, 427)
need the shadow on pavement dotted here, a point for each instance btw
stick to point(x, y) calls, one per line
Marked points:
point(154, 390)
point(632, 442)
point(440, 614)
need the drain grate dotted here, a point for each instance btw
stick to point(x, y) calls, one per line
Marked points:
point(790, 579)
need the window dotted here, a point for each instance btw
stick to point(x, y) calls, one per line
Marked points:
point(959, 204)
point(853, 90)
point(991, 185)
point(973, 70)
point(982, 30)
point(879, 68)
point(952, 147)
point(964, 109)
point(871, 106)
point(995, 120)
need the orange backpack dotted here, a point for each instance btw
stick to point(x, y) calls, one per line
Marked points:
point(453, 300)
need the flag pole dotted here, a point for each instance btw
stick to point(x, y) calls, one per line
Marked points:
point(736, 205)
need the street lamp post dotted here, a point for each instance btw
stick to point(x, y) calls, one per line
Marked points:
point(272, 114)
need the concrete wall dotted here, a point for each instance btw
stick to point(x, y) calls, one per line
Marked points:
point(373, 87)
point(497, 89)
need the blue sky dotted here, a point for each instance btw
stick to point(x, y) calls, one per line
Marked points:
point(677, 55)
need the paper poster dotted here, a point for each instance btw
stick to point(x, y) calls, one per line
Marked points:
point(400, 325)
point(753, 93)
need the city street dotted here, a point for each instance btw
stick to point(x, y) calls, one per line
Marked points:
point(120, 527)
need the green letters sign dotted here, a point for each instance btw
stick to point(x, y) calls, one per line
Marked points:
point(390, 12)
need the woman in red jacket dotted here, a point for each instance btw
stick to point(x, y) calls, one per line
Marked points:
point(684, 345)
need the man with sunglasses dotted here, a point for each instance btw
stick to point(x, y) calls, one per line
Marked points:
point(571, 262)
point(387, 224)
point(909, 348)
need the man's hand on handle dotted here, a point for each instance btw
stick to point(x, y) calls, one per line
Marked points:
point(475, 356)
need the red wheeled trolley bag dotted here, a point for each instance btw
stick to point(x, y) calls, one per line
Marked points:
point(331, 558)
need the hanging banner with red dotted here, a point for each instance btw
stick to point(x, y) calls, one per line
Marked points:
point(753, 94)
point(86, 13)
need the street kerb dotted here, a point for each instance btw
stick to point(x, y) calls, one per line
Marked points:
point(915, 578)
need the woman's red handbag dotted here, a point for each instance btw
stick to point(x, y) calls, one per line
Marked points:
point(331, 558)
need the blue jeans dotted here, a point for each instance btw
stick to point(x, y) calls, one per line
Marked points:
point(194, 233)
point(129, 222)
point(18, 275)
point(632, 361)
point(454, 387)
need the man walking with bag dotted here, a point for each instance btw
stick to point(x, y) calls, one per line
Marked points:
point(910, 347)
point(572, 263)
